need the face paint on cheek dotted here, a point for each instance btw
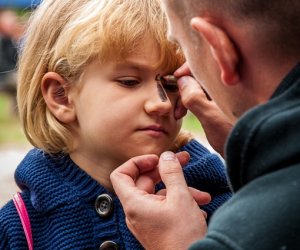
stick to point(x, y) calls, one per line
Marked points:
point(162, 93)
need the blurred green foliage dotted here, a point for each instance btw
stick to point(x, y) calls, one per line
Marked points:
point(191, 123)
point(10, 127)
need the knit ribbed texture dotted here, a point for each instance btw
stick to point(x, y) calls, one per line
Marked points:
point(60, 201)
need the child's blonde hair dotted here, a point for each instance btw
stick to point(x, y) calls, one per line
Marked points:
point(65, 36)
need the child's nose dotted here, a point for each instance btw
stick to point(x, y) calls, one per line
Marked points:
point(158, 101)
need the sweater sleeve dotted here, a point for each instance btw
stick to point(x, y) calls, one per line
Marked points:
point(206, 172)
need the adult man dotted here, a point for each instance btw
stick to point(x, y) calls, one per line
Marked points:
point(244, 53)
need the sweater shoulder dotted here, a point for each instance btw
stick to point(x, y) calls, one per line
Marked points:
point(8, 215)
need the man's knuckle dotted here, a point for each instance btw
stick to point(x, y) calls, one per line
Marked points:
point(191, 98)
point(131, 212)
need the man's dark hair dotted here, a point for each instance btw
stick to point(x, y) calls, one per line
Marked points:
point(275, 21)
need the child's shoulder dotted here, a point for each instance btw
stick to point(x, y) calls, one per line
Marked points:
point(10, 225)
point(201, 155)
point(7, 211)
point(8, 219)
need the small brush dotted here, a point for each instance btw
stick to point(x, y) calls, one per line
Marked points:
point(167, 79)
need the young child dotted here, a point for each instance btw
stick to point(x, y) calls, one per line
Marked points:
point(89, 100)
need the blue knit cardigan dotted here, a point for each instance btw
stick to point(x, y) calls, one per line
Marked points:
point(60, 201)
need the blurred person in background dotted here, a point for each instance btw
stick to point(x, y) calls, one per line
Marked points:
point(11, 31)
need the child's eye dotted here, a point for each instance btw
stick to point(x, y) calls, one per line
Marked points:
point(128, 82)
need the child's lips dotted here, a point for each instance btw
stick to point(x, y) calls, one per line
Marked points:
point(154, 129)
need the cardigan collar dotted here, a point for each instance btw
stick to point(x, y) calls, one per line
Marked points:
point(43, 174)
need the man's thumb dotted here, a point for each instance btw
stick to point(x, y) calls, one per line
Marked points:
point(171, 173)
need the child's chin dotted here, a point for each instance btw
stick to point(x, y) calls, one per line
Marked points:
point(154, 150)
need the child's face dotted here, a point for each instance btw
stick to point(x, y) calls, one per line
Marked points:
point(120, 113)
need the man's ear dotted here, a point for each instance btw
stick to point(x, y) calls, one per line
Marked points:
point(57, 97)
point(222, 48)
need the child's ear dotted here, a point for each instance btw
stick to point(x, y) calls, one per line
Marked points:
point(222, 49)
point(57, 97)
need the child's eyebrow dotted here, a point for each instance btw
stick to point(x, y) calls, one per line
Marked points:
point(130, 65)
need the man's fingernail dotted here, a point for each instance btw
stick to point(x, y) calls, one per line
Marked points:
point(168, 156)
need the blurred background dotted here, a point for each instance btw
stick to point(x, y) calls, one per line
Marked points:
point(13, 144)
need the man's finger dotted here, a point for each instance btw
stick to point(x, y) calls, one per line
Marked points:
point(204, 214)
point(171, 174)
point(202, 198)
point(183, 157)
point(192, 95)
point(180, 110)
point(148, 180)
point(215, 123)
point(184, 70)
point(124, 177)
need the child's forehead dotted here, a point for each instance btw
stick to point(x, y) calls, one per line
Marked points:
point(139, 65)
point(146, 52)
point(145, 59)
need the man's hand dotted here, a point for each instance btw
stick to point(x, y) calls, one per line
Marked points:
point(167, 220)
point(214, 122)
